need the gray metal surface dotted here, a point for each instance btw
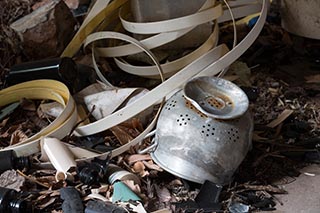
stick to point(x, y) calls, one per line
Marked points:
point(196, 147)
point(216, 97)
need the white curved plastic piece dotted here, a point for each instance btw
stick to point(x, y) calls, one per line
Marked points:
point(123, 37)
point(171, 67)
point(239, 9)
point(151, 42)
point(42, 89)
point(208, 64)
point(59, 155)
point(239, 12)
point(107, 101)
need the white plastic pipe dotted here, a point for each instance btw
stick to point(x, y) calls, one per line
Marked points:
point(60, 156)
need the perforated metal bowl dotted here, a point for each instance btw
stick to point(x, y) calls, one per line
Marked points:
point(197, 147)
point(216, 97)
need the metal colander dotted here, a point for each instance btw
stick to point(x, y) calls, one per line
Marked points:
point(198, 147)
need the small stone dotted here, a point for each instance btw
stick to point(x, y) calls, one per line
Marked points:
point(275, 84)
point(12, 180)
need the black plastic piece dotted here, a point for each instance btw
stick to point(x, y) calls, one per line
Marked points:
point(251, 92)
point(95, 142)
point(72, 202)
point(207, 199)
point(12, 202)
point(94, 172)
point(97, 206)
point(8, 160)
point(75, 76)
point(312, 157)
point(208, 196)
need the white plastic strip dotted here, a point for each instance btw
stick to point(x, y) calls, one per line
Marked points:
point(241, 9)
point(42, 89)
point(171, 67)
point(240, 12)
point(208, 64)
point(129, 49)
point(150, 43)
point(59, 155)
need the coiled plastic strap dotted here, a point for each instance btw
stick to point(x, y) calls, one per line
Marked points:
point(240, 9)
point(100, 12)
point(176, 24)
point(42, 90)
point(168, 68)
point(207, 64)
point(153, 41)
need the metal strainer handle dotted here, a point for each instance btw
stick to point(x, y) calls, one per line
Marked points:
point(153, 144)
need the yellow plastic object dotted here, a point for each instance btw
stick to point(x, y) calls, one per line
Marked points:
point(42, 89)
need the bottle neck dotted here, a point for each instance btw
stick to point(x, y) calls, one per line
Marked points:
point(21, 162)
point(19, 206)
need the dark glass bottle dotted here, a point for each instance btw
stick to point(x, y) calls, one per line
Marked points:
point(8, 160)
point(11, 202)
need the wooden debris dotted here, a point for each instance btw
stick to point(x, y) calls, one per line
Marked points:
point(32, 179)
point(12, 180)
point(313, 79)
point(283, 116)
point(38, 16)
point(138, 157)
point(40, 38)
point(269, 160)
point(267, 188)
point(72, 4)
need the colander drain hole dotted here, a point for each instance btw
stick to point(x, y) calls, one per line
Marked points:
point(233, 135)
point(207, 130)
point(183, 119)
point(214, 102)
point(170, 105)
point(190, 106)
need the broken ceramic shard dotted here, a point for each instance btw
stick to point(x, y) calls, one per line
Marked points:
point(107, 99)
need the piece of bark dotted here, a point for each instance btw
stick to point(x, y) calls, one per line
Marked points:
point(40, 41)
point(283, 116)
point(313, 78)
point(72, 4)
point(138, 157)
point(12, 180)
point(39, 4)
point(65, 23)
point(35, 18)
point(49, 38)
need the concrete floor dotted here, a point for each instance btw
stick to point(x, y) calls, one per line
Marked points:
point(303, 193)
